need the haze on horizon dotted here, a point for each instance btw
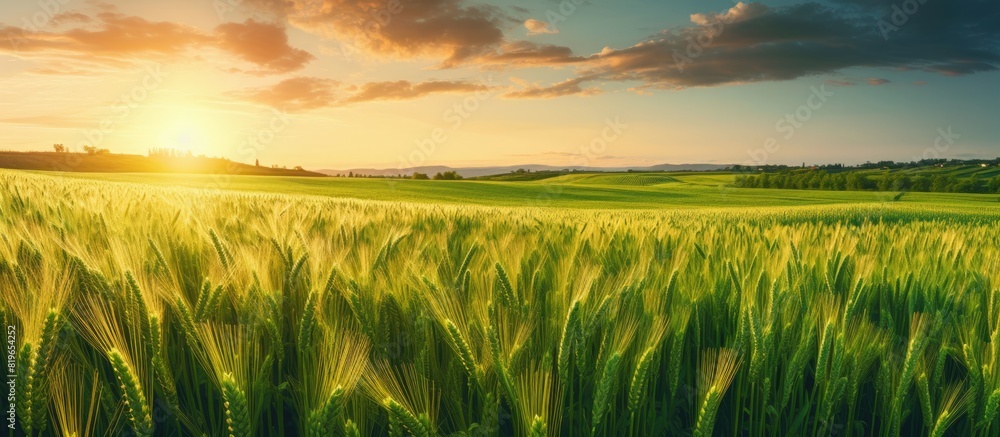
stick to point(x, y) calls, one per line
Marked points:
point(393, 83)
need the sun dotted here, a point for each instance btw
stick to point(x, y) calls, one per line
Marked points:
point(185, 136)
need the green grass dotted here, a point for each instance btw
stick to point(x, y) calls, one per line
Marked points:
point(590, 191)
point(284, 306)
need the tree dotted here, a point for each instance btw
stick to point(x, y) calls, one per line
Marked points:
point(420, 176)
point(256, 163)
point(855, 182)
point(447, 176)
point(350, 174)
point(994, 185)
point(91, 150)
point(59, 148)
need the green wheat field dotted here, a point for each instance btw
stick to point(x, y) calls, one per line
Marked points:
point(617, 305)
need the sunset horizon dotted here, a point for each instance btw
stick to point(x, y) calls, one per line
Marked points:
point(395, 84)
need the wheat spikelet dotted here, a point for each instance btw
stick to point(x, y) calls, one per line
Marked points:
point(307, 323)
point(75, 401)
point(507, 291)
point(416, 426)
point(133, 394)
point(464, 351)
point(464, 267)
point(37, 390)
point(716, 372)
point(236, 408)
point(120, 340)
point(637, 388)
point(322, 421)
point(538, 428)
point(351, 429)
point(606, 385)
point(914, 350)
point(161, 372)
point(187, 320)
point(406, 387)
point(204, 295)
point(538, 401)
point(677, 351)
point(565, 345)
point(220, 249)
point(36, 302)
point(330, 376)
point(924, 395)
point(231, 354)
point(498, 363)
point(953, 402)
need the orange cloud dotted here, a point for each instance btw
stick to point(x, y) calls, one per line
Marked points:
point(539, 27)
point(305, 93)
point(115, 39)
point(524, 53)
point(117, 35)
point(291, 95)
point(263, 44)
point(405, 90)
point(565, 88)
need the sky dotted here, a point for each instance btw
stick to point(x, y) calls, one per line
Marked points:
point(337, 84)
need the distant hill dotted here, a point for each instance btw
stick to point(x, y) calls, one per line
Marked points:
point(472, 172)
point(121, 163)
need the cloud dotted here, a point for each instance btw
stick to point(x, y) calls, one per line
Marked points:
point(449, 29)
point(565, 88)
point(292, 95)
point(840, 82)
point(539, 27)
point(306, 93)
point(740, 12)
point(69, 17)
point(116, 35)
point(525, 53)
point(874, 81)
point(405, 90)
point(118, 40)
point(263, 44)
point(458, 32)
point(752, 42)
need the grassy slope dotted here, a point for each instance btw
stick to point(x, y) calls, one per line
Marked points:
point(688, 190)
point(118, 163)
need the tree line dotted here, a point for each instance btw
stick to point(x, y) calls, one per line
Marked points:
point(855, 181)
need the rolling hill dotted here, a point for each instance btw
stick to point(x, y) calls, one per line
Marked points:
point(474, 172)
point(122, 163)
